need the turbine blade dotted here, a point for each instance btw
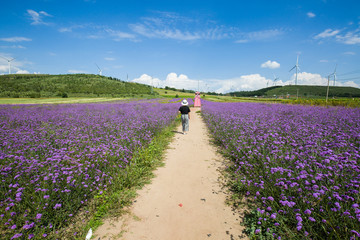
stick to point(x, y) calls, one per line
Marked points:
point(292, 68)
point(4, 58)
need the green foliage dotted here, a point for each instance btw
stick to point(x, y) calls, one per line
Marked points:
point(344, 102)
point(260, 92)
point(72, 85)
point(314, 91)
point(301, 91)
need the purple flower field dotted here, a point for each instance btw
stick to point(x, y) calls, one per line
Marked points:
point(298, 167)
point(55, 158)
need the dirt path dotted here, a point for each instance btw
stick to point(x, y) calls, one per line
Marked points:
point(185, 200)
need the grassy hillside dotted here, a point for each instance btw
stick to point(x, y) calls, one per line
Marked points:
point(315, 91)
point(72, 85)
point(302, 91)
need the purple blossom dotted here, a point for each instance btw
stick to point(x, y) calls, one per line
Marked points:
point(29, 226)
point(355, 232)
point(307, 211)
point(17, 235)
point(58, 205)
point(310, 162)
point(312, 219)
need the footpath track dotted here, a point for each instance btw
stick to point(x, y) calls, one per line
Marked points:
point(185, 201)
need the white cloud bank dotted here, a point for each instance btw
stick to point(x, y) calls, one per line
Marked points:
point(182, 81)
point(270, 64)
point(349, 37)
point(243, 83)
point(305, 78)
point(15, 39)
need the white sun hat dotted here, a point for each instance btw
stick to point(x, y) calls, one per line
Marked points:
point(184, 102)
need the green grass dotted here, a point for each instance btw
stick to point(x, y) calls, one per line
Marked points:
point(173, 94)
point(71, 85)
point(302, 91)
point(314, 91)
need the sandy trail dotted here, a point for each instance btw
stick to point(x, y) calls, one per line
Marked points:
point(185, 200)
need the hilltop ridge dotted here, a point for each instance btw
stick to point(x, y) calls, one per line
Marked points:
point(70, 85)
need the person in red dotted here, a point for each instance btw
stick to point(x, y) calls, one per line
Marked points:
point(184, 110)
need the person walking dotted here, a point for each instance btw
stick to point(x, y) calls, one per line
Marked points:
point(184, 110)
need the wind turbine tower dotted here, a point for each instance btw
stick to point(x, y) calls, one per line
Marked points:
point(275, 79)
point(296, 68)
point(100, 71)
point(9, 62)
point(334, 73)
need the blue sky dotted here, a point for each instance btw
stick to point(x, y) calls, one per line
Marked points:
point(208, 45)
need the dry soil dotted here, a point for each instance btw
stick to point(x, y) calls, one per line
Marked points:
point(185, 201)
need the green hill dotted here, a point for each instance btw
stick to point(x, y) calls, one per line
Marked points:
point(71, 85)
point(302, 91)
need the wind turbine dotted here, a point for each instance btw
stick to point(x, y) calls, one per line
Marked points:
point(9, 62)
point(334, 73)
point(275, 79)
point(100, 71)
point(297, 69)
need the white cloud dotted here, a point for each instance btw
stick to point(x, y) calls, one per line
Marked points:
point(148, 80)
point(4, 68)
point(65, 29)
point(263, 35)
point(37, 17)
point(311, 14)
point(327, 33)
point(243, 83)
point(242, 41)
point(166, 32)
point(180, 81)
point(270, 64)
point(349, 38)
point(172, 80)
point(348, 83)
point(110, 59)
point(22, 72)
point(15, 39)
point(167, 25)
point(349, 53)
point(324, 61)
point(118, 35)
point(305, 78)
point(14, 47)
